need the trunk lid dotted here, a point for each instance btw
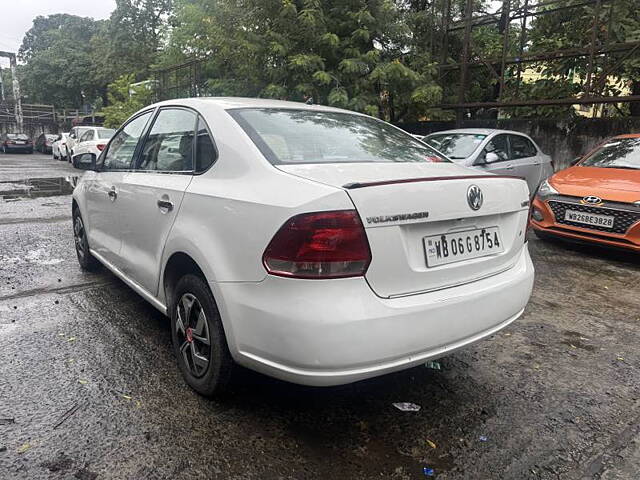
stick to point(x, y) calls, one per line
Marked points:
point(401, 205)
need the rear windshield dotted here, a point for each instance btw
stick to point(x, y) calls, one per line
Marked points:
point(618, 153)
point(106, 133)
point(287, 136)
point(17, 136)
point(455, 145)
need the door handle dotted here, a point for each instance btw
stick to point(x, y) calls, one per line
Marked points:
point(509, 167)
point(112, 194)
point(165, 204)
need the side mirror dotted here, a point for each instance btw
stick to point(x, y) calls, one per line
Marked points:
point(85, 161)
point(575, 161)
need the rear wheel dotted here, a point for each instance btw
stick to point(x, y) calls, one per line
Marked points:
point(85, 259)
point(198, 338)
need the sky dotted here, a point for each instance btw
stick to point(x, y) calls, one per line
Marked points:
point(18, 15)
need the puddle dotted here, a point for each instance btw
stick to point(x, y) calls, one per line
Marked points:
point(36, 188)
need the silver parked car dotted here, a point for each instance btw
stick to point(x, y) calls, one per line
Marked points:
point(497, 151)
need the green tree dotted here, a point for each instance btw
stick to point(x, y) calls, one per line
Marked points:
point(57, 58)
point(124, 100)
point(617, 22)
point(349, 54)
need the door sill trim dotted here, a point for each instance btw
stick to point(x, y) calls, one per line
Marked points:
point(137, 288)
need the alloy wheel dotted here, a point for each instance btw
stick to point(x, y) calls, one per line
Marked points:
point(194, 339)
point(79, 236)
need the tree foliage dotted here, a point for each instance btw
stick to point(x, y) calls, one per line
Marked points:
point(124, 100)
point(69, 60)
point(352, 54)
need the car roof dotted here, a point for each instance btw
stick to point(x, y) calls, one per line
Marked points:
point(228, 103)
point(478, 131)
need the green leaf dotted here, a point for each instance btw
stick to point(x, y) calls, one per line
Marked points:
point(322, 78)
point(338, 97)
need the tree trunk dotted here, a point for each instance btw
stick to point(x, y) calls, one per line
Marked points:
point(634, 107)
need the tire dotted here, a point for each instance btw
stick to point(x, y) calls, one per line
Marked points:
point(210, 375)
point(87, 261)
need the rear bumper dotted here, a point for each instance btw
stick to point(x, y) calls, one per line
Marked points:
point(629, 241)
point(334, 332)
point(19, 148)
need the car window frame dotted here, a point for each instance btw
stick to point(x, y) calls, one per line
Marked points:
point(148, 128)
point(213, 142)
point(147, 131)
point(82, 136)
point(511, 157)
point(103, 155)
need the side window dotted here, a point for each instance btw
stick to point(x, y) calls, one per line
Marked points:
point(205, 151)
point(169, 145)
point(521, 147)
point(499, 146)
point(85, 136)
point(123, 145)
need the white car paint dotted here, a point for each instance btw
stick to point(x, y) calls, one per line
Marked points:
point(534, 168)
point(59, 147)
point(92, 140)
point(74, 135)
point(397, 314)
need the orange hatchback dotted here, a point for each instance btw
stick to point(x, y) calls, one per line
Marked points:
point(597, 200)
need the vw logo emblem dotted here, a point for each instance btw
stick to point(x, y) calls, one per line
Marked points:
point(592, 200)
point(474, 197)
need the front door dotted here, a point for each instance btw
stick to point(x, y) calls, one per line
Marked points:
point(105, 188)
point(152, 194)
point(495, 157)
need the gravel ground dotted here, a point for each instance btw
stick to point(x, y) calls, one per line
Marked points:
point(89, 388)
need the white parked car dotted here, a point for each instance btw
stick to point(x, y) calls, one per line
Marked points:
point(313, 244)
point(59, 147)
point(93, 140)
point(74, 136)
point(497, 151)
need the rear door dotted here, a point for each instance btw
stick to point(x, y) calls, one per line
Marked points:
point(81, 145)
point(526, 160)
point(152, 194)
point(104, 191)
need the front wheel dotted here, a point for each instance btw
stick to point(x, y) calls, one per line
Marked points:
point(85, 259)
point(198, 337)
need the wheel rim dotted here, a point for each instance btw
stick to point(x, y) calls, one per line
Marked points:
point(78, 236)
point(193, 335)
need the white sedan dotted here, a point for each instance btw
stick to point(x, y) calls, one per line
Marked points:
point(497, 151)
point(316, 245)
point(59, 147)
point(92, 140)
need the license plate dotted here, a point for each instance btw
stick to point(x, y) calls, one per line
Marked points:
point(455, 247)
point(20, 142)
point(594, 219)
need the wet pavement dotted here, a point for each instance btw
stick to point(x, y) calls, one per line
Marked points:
point(89, 388)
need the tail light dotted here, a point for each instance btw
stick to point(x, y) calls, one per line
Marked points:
point(319, 245)
point(101, 146)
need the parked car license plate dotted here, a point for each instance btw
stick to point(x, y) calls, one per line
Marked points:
point(594, 219)
point(20, 142)
point(458, 246)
